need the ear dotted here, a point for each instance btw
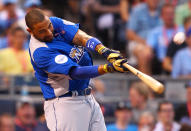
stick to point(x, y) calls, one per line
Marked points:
point(29, 30)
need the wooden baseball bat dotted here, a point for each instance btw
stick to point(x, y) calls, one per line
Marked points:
point(155, 85)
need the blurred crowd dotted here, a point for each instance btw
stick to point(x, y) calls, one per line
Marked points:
point(142, 30)
point(143, 112)
point(140, 112)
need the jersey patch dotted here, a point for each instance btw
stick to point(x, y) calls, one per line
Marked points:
point(61, 59)
point(77, 53)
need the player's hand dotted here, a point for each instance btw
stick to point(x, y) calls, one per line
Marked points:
point(117, 66)
point(109, 54)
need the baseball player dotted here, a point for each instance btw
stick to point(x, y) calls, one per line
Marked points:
point(63, 67)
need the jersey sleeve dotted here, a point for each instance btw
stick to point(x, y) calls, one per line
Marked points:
point(66, 28)
point(52, 62)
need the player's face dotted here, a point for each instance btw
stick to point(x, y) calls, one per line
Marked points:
point(43, 31)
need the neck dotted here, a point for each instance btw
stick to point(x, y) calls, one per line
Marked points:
point(152, 9)
point(167, 126)
point(121, 124)
point(169, 26)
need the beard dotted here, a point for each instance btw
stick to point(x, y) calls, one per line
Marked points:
point(45, 39)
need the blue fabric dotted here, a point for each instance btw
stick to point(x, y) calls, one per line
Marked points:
point(45, 59)
point(92, 43)
point(84, 72)
point(141, 22)
point(182, 63)
point(64, 30)
point(157, 42)
point(3, 42)
point(69, 55)
point(188, 33)
point(130, 127)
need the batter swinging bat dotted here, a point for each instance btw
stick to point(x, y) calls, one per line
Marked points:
point(155, 85)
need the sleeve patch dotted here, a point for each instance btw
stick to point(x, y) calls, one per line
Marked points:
point(61, 59)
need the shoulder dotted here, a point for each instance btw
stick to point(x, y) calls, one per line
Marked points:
point(35, 44)
point(181, 7)
point(59, 21)
point(111, 126)
point(139, 8)
point(132, 127)
point(158, 127)
point(182, 52)
point(156, 31)
point(176, 126)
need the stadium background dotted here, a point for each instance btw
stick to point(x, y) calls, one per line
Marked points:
point(110, 21)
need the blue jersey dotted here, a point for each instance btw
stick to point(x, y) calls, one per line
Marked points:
point(52, 61)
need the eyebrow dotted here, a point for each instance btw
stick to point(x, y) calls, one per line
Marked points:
point(45, 29)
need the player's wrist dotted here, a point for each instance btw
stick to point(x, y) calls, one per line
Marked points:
point(106, 68)
point(92, 43)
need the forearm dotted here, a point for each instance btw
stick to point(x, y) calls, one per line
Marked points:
point(94, 45)
point(167, 64)
point(86, 72)
point(131, 35)
point(124, 13)
point(83, 39)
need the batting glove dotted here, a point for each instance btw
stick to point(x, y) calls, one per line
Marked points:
point(116, 66)
point(109, 54)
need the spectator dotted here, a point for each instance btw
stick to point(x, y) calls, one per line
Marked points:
point(25, 117)
point(123, 115)
point(108, 23)
point(182, 11)
point(29, 4)
point(138, 95)
point(146, 122)
point(6, 123)
point(173, 48)
point(42, 125)
point(166, 118)
point(98, 89)
point(183, 112)
point(182, 60)
point(9, 15)
point(144, 17)
point(160, 37)
point(14, 59)
point(185, 127)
